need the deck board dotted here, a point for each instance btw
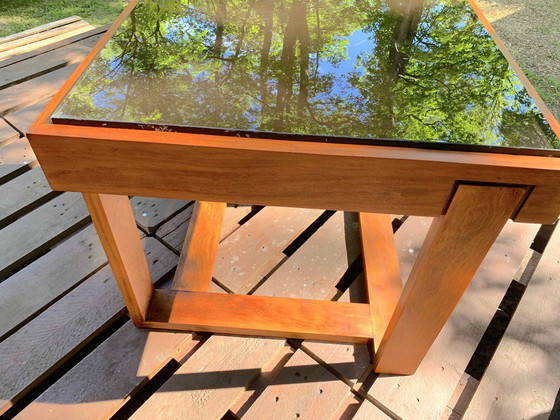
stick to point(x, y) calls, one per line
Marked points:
point(49, 340)
point(61, 314)
point(528, 352)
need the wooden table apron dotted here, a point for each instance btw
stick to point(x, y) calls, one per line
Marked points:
point(470, 196)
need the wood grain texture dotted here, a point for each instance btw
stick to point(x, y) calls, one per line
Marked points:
point(40, 283)
point(10, 171)
point(174, 231)
point(32, 91)
point(368, 411)
point(453, 250)
point(78, 29)
point(237, 361)
point(260, 315)
point(360, 178)
point(528, 351)
point(240, 270)
point(7, 133)
point(40, 229)
point(23, 118)
point(29, 190)
point(114, 221)
point(93, 388)
point(196, 264)
point(209, 381)
point(32, 39)
point(381, 270)
point(427, 393)
point(303, 389)
point(79, 38)
point(40, 28)
point(18, 153)
point(152, 212)
point(45, 63)
point(115, 370)
point(45, 343)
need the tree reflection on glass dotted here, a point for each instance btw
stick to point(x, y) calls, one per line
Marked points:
point(422, 70)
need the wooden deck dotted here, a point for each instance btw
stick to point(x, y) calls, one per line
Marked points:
point(69, 351)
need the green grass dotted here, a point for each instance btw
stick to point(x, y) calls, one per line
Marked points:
point(19, 15)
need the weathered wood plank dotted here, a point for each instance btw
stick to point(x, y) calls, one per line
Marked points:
point(238, 269)
point(35, 38)
point(23, 118)
point(522, 379)
point(426, 393)
point(368, 411)
point(151, 212)
point(7, 133)
point(28, 47)
point(32, 91)
point(79, 38)
point(136, 352)
point(110, 371)
point(45, 343)
point(32, 289)
point(311, 272)
point(41, 28)
point(18, 153)
point(37, 66)
point(173, 232)
point(303, 389)
point(22, 194)
point(10, 171)
point(43, 227)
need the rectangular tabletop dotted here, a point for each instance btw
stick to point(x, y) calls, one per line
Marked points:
point(422, 73)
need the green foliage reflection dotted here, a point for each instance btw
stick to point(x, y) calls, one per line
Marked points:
point(421, 70)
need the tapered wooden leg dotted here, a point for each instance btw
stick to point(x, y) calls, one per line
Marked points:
point(381, 270)
point(454, 248)
point(194, 271)
point(116, 227)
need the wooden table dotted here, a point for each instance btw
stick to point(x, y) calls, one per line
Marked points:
point(156, 111)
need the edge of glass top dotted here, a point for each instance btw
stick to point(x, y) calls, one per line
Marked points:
point(540, 124)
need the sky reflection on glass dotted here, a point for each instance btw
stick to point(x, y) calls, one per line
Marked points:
point(422, 70)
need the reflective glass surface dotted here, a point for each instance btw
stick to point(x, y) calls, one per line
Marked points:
point(425, 72)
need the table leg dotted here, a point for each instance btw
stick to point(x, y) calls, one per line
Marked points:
point(454, 248)
point(116, 227)
point(196, 264)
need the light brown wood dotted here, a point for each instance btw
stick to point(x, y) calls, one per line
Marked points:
point(39, 36)
point(41, 28)
point(359, 178)
point(29, 47)
point(116, 227)
point(196, 264)
point(381, 269)
point(84, 38)
point(429, 391)
point(260, 315)
point(456, 244)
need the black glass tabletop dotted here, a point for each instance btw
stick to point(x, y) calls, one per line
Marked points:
point(422, 73)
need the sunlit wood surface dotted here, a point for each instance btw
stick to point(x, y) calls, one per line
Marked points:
point(69, 350)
